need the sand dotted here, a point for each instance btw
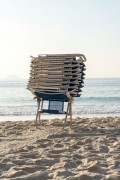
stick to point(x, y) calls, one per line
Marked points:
point(88, 151)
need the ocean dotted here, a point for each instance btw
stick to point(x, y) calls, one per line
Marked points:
point(98, 97)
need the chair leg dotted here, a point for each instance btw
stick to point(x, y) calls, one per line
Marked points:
point(66, 115)
point(40, 113)
point(38, 102)
point(70, 114)
point(39, 118)
point(36, 119)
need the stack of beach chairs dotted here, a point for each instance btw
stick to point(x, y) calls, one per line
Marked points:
point(56, 78)
point(57, 73)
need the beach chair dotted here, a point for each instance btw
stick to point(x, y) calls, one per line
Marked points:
point(56, 105)
point(56, 78)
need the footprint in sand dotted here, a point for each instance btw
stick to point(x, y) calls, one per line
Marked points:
point(21, 150)
point(29, 169)
point(43, 143)
point(57, 145)
point(28, 148)
point(38, 175)
point(57, 151)
point(86, 176)
point(103, 149)
point(74, 146)
point(28, 155)
point(19, 161)
point(114, 176)
point(77, 155)
point(45, 161)
point(62, 174)
point(6, 166)
point(93, 166)
point(10, 132)
point(79, 143)
point(12, 173)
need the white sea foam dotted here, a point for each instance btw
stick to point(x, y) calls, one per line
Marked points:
point(77, 110)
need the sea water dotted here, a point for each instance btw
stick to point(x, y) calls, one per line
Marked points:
point(98, 96)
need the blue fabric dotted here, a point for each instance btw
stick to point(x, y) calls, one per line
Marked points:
point(52, 96)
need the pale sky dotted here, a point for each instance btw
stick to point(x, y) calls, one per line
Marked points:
point(32, 27)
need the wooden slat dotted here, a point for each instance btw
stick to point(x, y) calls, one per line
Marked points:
point(46, 68)
point(37, 69)
point(59, 64)
point(53, 85)
point(40, 70)
point(48, 64)
point(51, 66)
point(60, 56)
point(54, 79)
point(44, 80)
point(61, 76)
point(50, 60)
point(37, 73)
point(46, 76)
point(55, 82)
point(72, 92)
point(35, 85)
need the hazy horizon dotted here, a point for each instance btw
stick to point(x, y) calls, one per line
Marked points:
point(32, 27)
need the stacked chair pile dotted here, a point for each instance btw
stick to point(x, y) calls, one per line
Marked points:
point(57, 77)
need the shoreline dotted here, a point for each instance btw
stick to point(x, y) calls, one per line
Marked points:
point(44, 117)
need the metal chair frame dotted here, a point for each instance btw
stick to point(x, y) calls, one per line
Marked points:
point(40, 110)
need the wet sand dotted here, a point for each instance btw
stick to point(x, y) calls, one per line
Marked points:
point(90, 150)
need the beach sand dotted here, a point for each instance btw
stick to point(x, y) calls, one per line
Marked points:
point(88, 151)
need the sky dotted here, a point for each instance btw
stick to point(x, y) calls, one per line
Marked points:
point(32, 27)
